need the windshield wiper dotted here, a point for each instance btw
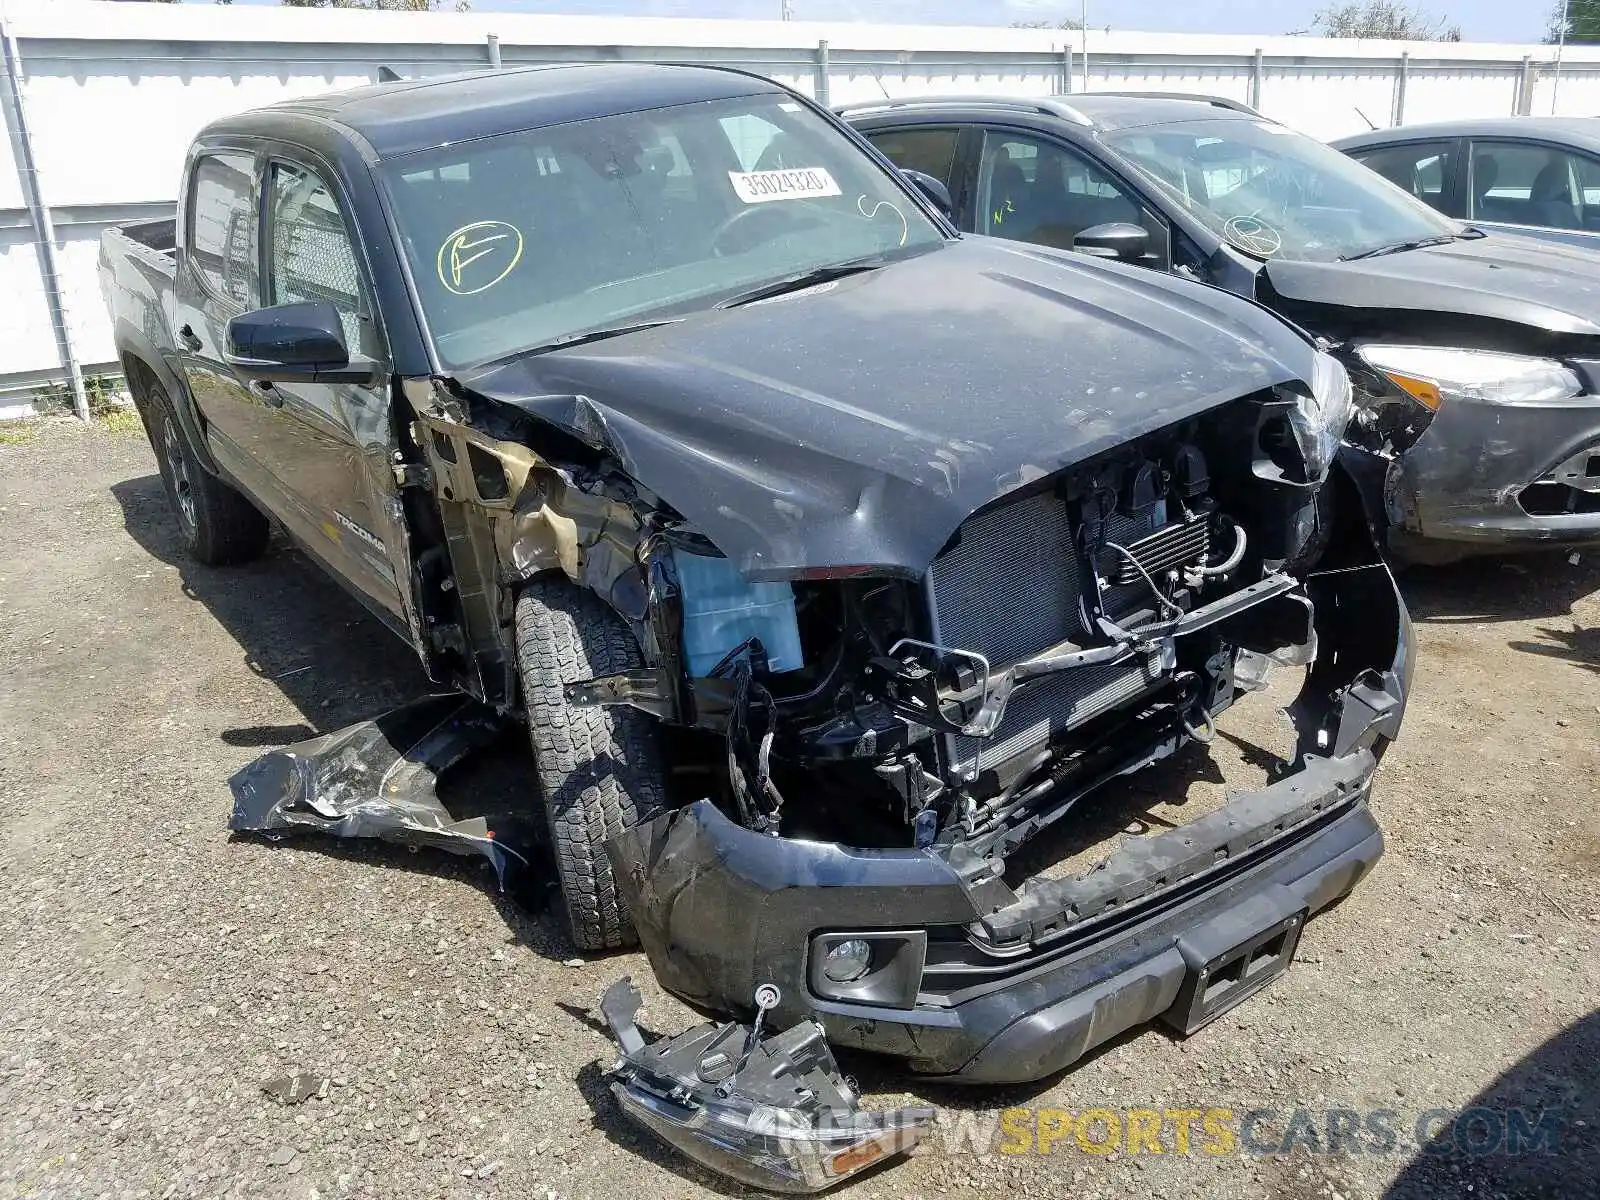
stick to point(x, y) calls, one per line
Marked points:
point(1412, 244)
point(600, 335)
point(795, 283)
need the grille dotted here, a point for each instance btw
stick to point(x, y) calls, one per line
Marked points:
point(1008, 589)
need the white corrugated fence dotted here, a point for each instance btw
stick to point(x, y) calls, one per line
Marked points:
point(102, 99)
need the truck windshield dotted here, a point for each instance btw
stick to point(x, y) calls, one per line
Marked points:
point(1275, 193)
point(526, 239)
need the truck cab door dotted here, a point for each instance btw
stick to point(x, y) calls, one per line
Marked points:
point(329, 444)
point(217, 279)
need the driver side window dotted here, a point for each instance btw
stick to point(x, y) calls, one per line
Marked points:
point(1039, 191)
point(311, 255)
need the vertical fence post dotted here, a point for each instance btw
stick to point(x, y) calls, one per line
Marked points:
point(493, 46)
point(824, 70)
point(1524, 106)
point(1256, 71)
point(1402, 76)
point(39, 215)
point(1064, 85)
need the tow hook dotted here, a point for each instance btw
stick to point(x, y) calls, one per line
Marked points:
point(772, 1112)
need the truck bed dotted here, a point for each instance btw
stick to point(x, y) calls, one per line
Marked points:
point(138, 265)
point(161, 235)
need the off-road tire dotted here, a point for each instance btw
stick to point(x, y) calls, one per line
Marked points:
point(599, 768)
point(219, 526)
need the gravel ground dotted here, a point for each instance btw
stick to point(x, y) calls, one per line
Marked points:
point(159, 971)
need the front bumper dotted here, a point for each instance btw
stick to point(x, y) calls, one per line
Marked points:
point(1016, 986)
point(1464, 480)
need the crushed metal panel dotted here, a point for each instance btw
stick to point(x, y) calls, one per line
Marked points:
point(783, 431)
point(377, 779)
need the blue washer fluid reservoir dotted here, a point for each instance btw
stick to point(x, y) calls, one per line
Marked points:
point(722, 610)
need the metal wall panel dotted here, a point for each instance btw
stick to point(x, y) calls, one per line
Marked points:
point(27, 340)
point(1577, 95)
point(1446, 93)
point(1329, 100)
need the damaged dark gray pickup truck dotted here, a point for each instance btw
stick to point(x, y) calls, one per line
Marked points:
point(829, 555)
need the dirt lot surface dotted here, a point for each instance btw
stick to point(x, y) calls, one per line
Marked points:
point(157, 971)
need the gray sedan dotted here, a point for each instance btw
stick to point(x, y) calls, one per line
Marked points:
point(1537, 175)
point(1475, 356)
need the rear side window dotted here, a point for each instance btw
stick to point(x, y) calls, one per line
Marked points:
point(1523, 183)
point(221, 224)
point(1423, 170)
point(931, 151)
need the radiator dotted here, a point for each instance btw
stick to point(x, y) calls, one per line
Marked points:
point(1008, 589)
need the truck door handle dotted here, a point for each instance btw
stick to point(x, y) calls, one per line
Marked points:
point(268, 393)
point(189, 338)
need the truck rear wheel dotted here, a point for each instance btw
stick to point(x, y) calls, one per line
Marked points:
point(220, 527)
point(599, 768)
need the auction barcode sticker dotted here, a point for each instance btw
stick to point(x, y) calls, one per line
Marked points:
point(802, 183)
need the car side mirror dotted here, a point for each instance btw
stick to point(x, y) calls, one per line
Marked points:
point(1115, 239)
point(300, 342)
point(933, 189)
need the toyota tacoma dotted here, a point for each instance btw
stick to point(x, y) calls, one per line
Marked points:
point(828, 555)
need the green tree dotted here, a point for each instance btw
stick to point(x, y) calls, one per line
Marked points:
point(1582, 18)
point(1383, 19)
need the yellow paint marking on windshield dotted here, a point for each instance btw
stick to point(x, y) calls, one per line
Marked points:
point(495, 244)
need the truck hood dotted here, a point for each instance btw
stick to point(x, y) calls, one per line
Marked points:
point(859, 422)
point(1501, 276)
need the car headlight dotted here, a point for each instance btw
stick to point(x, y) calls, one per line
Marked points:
point(1430, 375)
point(1318, 421)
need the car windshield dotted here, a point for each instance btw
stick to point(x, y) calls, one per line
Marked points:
point(1275, 193)
point(527, 239)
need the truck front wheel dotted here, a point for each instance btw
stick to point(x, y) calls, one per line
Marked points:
point(220, 527)
point(599, 768)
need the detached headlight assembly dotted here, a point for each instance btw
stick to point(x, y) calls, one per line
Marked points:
point(1318, 421)
point(1314, 423)
point(1433, 375)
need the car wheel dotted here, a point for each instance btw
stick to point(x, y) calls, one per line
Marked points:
point(219, 526)
point(599, 768)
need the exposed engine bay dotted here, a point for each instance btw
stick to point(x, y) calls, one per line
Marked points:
point(1074, 630)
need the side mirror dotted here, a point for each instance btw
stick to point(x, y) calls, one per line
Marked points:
point(933, 189)
point(301, 342)
point(1115, 239)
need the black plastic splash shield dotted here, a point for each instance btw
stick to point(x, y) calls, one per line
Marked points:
point(376, 779)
